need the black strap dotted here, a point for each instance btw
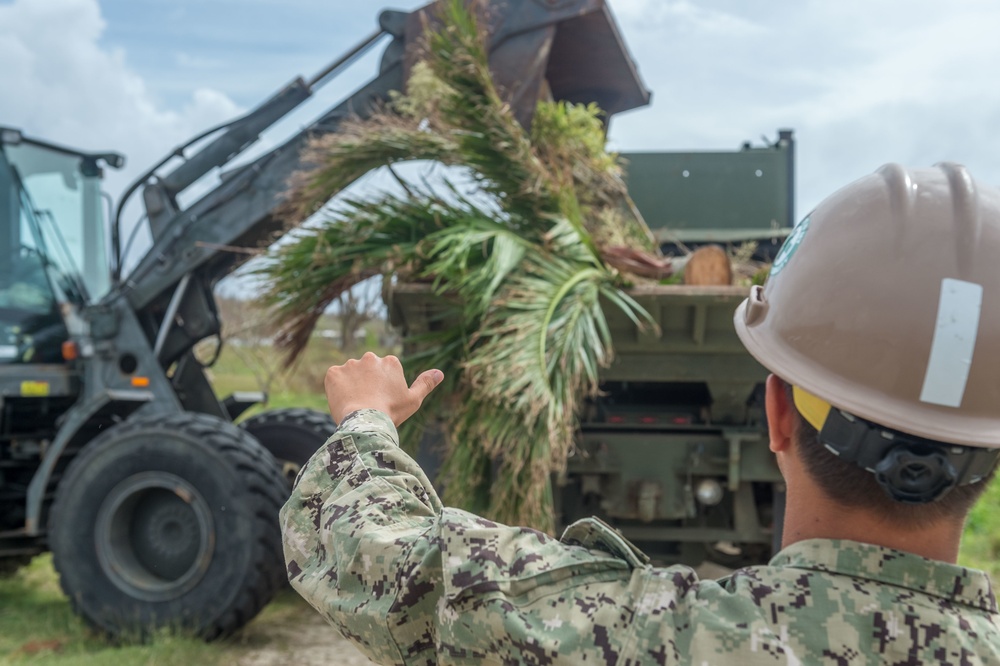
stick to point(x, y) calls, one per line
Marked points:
point(909, 468)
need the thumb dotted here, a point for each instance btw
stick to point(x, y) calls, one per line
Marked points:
point(426, 382)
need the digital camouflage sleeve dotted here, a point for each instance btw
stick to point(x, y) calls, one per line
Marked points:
point(369, 545)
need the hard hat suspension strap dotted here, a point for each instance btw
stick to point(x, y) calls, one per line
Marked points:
point(910, 469)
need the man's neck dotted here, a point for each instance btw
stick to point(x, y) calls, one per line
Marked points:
point(810, 515)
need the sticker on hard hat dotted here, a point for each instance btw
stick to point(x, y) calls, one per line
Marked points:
point(790, 245)
point(954, 345)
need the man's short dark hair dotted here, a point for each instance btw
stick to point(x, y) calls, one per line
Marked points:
point(850, 485)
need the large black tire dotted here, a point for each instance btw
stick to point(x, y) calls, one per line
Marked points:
point(169, 521)
point(291, 435)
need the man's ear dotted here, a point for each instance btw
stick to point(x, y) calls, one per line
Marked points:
point(780, 414)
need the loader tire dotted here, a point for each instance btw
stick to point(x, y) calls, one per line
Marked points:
point(169, 522)
point(291, 435)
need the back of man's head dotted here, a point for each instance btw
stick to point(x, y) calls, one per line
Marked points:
point(854, 487)
point(882, 313)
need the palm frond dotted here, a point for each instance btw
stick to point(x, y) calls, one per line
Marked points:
point(357, 148)
point(535, 356)
point(360, 240)
point(495, 145)
point(517, 265)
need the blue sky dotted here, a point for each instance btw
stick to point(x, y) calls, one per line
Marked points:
point(245, 48)
point(862, 82)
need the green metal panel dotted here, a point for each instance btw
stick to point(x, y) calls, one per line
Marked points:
point(644, 482)
point(715, 196)
point(691, 320)
point(695, 340)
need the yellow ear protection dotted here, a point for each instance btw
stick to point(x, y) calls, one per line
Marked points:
point(814, 410)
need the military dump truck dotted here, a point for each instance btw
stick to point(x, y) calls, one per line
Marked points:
point(674, 453)
point(115, 452)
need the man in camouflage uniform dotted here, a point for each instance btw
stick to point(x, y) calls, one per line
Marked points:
point(885, 430)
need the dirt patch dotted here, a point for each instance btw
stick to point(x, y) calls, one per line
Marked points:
point(303, 639)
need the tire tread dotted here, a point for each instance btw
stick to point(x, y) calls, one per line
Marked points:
point(258, 473)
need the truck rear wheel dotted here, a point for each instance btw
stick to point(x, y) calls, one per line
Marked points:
point(169, 521)
point(291, 435)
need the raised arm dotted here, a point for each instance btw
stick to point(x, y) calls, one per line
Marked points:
point(369, 545)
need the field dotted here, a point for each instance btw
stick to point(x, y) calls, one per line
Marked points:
point(38, 627)
point(260, 367)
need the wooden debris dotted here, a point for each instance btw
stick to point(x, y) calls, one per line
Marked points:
point(708, 265)
point(638, 262)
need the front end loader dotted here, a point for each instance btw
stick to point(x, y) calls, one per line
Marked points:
point(115, 451)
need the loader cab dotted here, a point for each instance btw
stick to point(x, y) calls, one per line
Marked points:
point(53, 243)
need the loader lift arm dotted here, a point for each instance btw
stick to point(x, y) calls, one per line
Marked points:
point(572, 45)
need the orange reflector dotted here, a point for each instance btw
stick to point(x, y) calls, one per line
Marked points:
point(70, 352)
point(140, 382)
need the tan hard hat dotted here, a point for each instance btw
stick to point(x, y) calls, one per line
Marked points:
point(885, 303)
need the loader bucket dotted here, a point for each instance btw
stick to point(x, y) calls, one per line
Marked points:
point(571, 49)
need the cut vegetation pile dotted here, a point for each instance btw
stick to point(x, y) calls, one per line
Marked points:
point(528, 257)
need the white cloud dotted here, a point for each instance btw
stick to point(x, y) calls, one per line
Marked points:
point(683, 15)
point(936, 63)
point(63, 85)
point(862, 82)
point(184, 59)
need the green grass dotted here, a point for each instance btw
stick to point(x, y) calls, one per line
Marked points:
point(981, 541)
point(38, 627)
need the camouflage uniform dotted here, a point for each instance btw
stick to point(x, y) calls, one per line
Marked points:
point(410, 582)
